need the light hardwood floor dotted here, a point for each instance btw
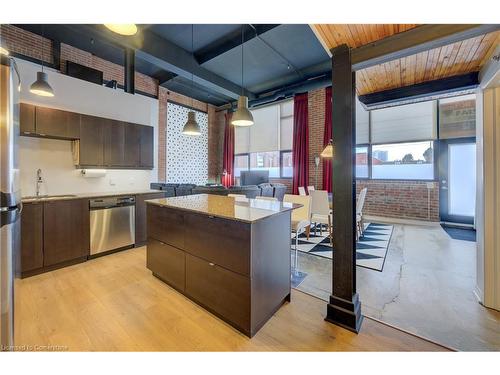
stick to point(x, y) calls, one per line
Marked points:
point(113, 303)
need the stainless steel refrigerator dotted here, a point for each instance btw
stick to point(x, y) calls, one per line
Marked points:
point(10, 197)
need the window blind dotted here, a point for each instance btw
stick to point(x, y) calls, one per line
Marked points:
point(412, 122)
point(362, 124)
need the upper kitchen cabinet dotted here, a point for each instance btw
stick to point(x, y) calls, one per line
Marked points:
point(132, 145)
point(27, 118)
point(91, 145)
point(56, 123)
point(114, 143)
point(49, 122)
point(147, 144)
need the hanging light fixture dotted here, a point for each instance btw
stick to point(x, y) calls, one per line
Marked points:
point(41, 85)
point(327, 152)
point(127, 29)
point(191, 127)
point(242, 116)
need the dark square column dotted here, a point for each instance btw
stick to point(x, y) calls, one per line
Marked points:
point(344, 308)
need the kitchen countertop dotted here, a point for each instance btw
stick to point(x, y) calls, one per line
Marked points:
point(246, 210)
point(70, 196)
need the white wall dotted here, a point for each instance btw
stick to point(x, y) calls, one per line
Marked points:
point(54, 157)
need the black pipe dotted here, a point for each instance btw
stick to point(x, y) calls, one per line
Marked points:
point(129, 71)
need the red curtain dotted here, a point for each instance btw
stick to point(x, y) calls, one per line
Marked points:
point(228, 159)
point(300, 153)
point(327, 135)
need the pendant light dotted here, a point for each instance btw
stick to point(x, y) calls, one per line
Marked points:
point(327, 152)
point(242, 116)
point(41, 85)
point(127, 29)
point(191, 127)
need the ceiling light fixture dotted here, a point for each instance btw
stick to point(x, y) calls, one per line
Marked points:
point(242, 116)
point(41, 86)
point(327, 152)
point(127, 29)
point(191, 127)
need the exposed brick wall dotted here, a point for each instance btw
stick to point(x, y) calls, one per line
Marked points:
point(316, 103)
point(284, 181)
point(401, 199)
point(17, 40)
point(216, 129)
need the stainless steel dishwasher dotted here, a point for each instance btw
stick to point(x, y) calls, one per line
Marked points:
point(112, 223)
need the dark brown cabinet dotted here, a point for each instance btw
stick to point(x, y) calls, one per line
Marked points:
point(167, 262)
point(31, 237)
point(66, 232)
point(100, 142)
point(114, 143)
point(132, 145)
point(141, 234)
point(55, 123)
point(91, 144)
point(147, 139)
point(27, 118)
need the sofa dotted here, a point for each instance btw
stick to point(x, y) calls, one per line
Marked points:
point(276, 190)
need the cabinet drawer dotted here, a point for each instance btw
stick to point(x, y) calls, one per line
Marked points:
point(165, 225)
point(167, 262)
point(224, 292)
point(221, 241)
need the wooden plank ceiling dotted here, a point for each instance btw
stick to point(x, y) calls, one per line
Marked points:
point(450, 60)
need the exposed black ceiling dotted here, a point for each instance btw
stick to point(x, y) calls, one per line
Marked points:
point(275, 56)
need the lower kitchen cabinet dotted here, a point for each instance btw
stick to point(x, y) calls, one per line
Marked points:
point(31, 237)
point(66, 231)
point(141, 234)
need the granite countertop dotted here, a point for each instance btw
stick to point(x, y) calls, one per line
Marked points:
point(69, 196)
point(246, 210)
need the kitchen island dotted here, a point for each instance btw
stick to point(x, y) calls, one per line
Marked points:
point(231, 257)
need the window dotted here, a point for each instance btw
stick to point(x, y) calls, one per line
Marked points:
point(286, 164)
point(261, 161)
point(457, 117)
point(403, 161)
point(266, 144)
point(240, 164)
point(362, 162)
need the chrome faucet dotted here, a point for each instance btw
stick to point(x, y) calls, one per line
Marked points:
point(39, 180)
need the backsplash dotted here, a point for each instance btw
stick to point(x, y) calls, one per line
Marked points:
point(55, 159)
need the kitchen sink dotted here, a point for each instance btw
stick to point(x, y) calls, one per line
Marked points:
point(50, 196)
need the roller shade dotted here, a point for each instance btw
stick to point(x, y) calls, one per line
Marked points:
point(412, 122)
point(272, 130)
point(362, 124)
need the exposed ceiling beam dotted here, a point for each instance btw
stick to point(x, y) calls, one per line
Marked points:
point(230, 41)
point(167, 56)
point(164, 77)
point(423, 89)
point(411, 42)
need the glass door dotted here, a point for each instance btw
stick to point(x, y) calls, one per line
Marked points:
point(457, 180)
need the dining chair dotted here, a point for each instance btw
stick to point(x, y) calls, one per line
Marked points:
point(262, 198)
point(320, 211)
point(301, 219)
point(359, 213)
point(310, 188)
point(302, 190)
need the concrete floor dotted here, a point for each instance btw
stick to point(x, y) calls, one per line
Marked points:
point(426, 288)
